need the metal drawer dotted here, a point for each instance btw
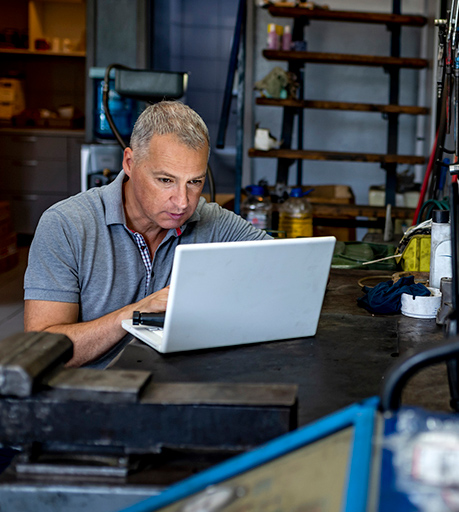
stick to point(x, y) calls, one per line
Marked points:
point(33, 146)
point(31, 176)
point(27, 209)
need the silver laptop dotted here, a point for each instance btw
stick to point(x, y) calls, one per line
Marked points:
point(233, 293)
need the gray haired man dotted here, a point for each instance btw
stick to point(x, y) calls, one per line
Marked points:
point(104, 253)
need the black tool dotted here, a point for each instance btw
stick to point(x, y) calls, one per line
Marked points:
point(154, 319)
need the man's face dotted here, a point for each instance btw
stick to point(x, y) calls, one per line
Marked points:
point(164, 187)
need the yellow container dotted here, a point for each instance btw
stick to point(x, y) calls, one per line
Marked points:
point(416, 256)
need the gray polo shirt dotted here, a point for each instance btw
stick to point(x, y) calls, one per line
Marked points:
point(82, 252)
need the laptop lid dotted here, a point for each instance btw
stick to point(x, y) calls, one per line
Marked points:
point(234, 293)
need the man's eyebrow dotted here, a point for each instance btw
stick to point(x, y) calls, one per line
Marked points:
point(169, 175)
point(163, 173)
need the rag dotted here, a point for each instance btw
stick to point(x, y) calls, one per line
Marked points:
point(385, 298)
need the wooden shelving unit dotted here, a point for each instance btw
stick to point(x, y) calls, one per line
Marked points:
point(340, 58)
point(350, 16)
point(392, 64)
point(40, 158)
point(42, 53)
point(295, 154)
point(341, 105)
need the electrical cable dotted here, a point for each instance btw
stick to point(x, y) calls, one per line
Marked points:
point(425, 182)
point(431, 205)
point(211, 182)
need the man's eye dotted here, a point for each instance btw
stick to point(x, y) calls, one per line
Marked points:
point(196, 182)
point(164, 180)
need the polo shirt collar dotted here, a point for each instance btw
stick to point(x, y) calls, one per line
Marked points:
point(112, 196)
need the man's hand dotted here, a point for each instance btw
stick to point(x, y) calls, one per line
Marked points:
point(154, 303)
point(90, 339)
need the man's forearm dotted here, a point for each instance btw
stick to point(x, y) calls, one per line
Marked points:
point(91, 339)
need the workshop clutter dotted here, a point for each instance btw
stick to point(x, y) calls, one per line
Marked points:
point(440, 252)
point(332, 195)
point(295, 214)
point(278, 83)
point(421, 306)
point(257, 207)
point(280, 38)
point(264, 140)
point(297, 209)
point(356, 255)
point(386, 298)
point(12, 100)
point(419, 251)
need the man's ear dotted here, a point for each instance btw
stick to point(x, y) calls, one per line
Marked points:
point(128, 161)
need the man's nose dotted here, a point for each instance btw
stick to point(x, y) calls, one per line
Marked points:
point(181, 197)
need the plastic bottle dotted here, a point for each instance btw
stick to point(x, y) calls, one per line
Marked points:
point(440, 248)
point(287, 39)
point(273, 37)
point(295, 215)
point(257, 209)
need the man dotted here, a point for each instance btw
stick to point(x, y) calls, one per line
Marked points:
point(104, 253)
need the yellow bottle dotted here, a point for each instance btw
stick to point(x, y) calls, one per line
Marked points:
point(295, 215)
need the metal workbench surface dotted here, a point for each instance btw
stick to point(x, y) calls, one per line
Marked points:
point(343, 363)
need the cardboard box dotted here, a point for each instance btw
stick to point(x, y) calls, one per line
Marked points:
point(332, 194)
point(225, 200)
point(12, 100)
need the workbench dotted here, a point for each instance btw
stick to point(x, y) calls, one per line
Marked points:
point(342, 364)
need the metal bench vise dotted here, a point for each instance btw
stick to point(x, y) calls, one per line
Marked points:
point(122, 413)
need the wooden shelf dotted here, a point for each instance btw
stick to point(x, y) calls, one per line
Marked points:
point(42, 53)
point(341, 105)
point(349, 16)
point(296, 154)
point(354, 210)
point(349, 59)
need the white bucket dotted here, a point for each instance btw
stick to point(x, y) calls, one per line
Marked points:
point(421, 307)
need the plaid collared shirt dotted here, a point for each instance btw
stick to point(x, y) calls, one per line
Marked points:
point(146, 256)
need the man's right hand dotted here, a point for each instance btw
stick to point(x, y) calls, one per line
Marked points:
point(154, 303)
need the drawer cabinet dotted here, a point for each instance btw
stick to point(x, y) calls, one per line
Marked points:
point(37, 169)
point(34, 176)
point(33, 146)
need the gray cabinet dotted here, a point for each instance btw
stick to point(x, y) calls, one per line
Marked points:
point(37, 169)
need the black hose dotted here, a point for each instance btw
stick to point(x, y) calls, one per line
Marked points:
point(210, 178)
point(105, 93)
point(406, 367)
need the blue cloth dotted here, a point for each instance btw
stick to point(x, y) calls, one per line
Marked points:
point(385, 298)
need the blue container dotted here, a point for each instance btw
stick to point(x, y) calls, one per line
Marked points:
point(123, 111)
